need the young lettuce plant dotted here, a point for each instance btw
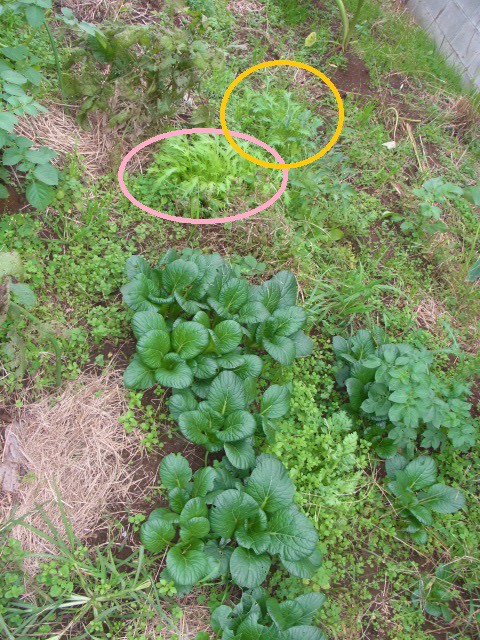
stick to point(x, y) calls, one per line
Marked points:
point(259, 616)
point(418, 495)
point(230, 526)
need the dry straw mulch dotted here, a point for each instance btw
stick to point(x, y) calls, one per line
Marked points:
point(75, 443)
point(59, 131)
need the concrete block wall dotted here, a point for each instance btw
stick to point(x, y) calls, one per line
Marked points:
point(455, 27)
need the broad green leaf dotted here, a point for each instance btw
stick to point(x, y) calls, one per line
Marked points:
point(419, 473)
point(305, 568)
point(41, 155)
point(23, 294)
point(474, 272)
point(240, 454)
point(13, 76)
point(203, 481)
point(178, 498)
point(250, 367)
point(137, 375)
point(288, 288)
point(220, 619)
point(310, 603)
point(238, 425)
point(46, 173)
point(285, 614)
point(281, 349)
point(174, 372)
point(189, 339)
point(156, 534)
point(270, 485)
point(233, 294)
point(7, 121)
point(11, 156)
point(289, 320)
point(275, 402)
point(305, 632)
point(35, 15)
point(194, 425)
point(293, 535)
point(178, 275)
point(258, 541)
point(206, 367)
point(153, 346)
point(136, 293)
point(15, 53)
point(39, 195)
point(442, 499)
point(136, 265)
point(175, 471)
point(3, 191)
point(303, 344)
point(195, 528)
point(144, 321)
point(227, 394)
point(180, 402)
point(248, 569)
point(356, 393)
point(194, 508)
point(311, 39)
point(186, 566)
point(230, 509)
point(226, 336)
point(253, 312)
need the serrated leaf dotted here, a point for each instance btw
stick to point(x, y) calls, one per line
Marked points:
point(270, 485)
point(35, 15)
point(419, 473)
point(248, 569)
point(189, 339)
point(153, 346)
point(175, 471)
point(137, 375)
point(443, 499)
point(39, 195)
point(47, 174)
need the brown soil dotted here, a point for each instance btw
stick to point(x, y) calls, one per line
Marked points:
point(354, 79)
point(14, 203)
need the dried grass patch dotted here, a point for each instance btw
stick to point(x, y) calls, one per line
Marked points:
point(59, 131)
point(133, 11)
point(76, 443)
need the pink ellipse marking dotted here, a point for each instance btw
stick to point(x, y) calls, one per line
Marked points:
point(181, 132)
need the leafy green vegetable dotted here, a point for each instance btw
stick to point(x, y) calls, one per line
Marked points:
point(418, 494)
point(393, 386)
point(230, 525)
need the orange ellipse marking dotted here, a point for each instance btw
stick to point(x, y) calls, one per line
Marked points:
point(282, 63)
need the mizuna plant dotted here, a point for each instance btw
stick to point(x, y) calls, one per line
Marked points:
point(205, 332)
point(392, 385)
point(226, 524)
point(418, 495)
